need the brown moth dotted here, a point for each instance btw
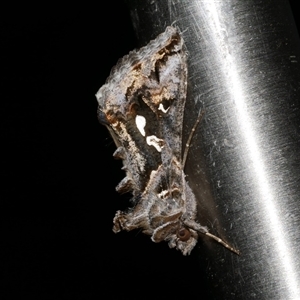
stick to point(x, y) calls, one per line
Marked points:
point(142, 105)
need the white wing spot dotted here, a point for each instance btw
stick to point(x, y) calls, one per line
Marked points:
point(161, 107)
point(140, 122)
point(163, 194)
point(152, 140)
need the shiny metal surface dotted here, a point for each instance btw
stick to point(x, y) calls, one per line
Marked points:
point(244, 164)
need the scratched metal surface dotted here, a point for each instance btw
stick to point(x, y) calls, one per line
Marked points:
point(244, 164)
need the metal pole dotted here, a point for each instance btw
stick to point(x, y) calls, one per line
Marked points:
point(244, 162)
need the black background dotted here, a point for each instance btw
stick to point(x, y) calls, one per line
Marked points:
point(58, 175)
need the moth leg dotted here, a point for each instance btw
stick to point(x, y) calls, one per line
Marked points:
point(195, 226)
point(223, 243)
point(202, 229)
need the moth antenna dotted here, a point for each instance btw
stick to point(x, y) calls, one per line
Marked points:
point(173, 23)
point(223, 243)
point(188, 143)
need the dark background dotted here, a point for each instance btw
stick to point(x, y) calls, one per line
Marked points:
point(58, 175)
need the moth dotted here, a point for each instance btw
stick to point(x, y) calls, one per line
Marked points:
point(142, 105)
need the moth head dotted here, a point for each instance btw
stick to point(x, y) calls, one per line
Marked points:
point(185, 240)
point(169, 220)
point(183, 234)
point(177, 235)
